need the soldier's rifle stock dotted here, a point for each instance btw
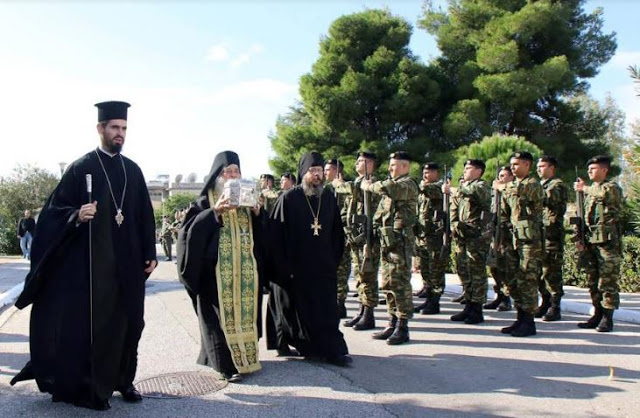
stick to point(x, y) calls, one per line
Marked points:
point(579, 220)
point(446, 219)
point(367, 224)
point(496, 227)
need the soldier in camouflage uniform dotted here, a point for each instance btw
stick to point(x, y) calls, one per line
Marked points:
point(522, 211)
point(333, 169)
point(556, 194)
point(469, 212)
point(287, 181)
point(354, 220)
point(429, 240)
point(268, 195)
point(394, 220)
point(601, 254)
point(497, 259)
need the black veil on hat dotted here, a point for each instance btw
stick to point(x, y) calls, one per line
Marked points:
point(308, 160)
point(112, 110)
point(222, 160)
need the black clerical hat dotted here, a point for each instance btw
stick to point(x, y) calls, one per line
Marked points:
point(222, 160)
point(476, 163)
point(600, 159)
point(431, 166)
point(308, 160)
point(400, 155)
point(112, 110)
point(522, 155)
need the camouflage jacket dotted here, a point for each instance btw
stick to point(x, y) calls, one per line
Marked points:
point(469, 209)
point(429, 209)
point(554, 202)
point(270, 196)
point(353, 208)
point(602, 206)
point(397, 209)
point(522, 209)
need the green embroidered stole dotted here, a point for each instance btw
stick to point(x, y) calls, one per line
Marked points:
point(237, 279)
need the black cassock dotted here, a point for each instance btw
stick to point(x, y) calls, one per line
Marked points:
point(64, 362)
point(303, 268)
point(197, 255)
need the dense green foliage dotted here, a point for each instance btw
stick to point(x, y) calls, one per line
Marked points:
point(173, 204)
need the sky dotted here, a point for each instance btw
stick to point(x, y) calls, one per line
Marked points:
point(202, 76)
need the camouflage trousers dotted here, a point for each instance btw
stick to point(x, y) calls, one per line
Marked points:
point(524, 264)
point(499, 274)
point(602, 265)
point(471, 266)
point(395, 265)
point(550, 283)
point(432, 268)
point(344, 271)
point(366, 282)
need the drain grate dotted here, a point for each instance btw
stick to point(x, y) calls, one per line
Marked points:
point(180, 385)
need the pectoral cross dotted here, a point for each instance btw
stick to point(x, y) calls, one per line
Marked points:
point(316, 227)
point(244, 235)
point(119, 217)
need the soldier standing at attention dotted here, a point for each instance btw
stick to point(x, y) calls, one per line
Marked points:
point(429, 240)
point(395, 219)
point(602, 251)
point(497, 260)
point(268, 195)
point(333, 170)
point(556, 194)
point(354, 219)
point(470, 206)
point(522, 210)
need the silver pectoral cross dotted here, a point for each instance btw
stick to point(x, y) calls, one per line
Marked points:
point(119, 217)
point(316, 227)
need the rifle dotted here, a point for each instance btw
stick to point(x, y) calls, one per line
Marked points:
point(446, 218)
point(579, 220)
point(495, 226)
point(367, 225)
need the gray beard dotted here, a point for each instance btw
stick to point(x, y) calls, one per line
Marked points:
point(219, 187)
point(311, 190)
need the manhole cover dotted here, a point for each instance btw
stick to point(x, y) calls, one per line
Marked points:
point(179, 385)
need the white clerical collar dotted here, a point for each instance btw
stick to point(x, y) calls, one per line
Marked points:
point(107, 152)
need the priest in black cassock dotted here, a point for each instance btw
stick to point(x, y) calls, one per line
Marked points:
point(306, 241)
point(92, 252)
point(219, 253)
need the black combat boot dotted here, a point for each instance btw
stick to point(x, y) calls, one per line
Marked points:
point(367, 321)
point(495, 303)
point(351, 322)
point(594, 321)
point(342, 310)
point(475, 314)
point(461, 316)
point(606, 324)
point(516, 324)
point(422, 306)
point(545, 304)
point(505, 305)
point(553, 314)
point(526, 328)
point(433, 306)
point(401, 333)
point(386, 333)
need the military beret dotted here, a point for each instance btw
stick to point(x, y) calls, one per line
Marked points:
point(336, 162)
point(430, 166)
point(599, 159)
point(266, 176)
point(505, 167)
point(549, 159)
point(366, 154)
point(287, 174)
point(400, 155)
point(476, 163)
point(522, 155)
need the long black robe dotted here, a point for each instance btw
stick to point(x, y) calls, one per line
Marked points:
point(303, 301)
point(197, 255)
point(63, 360)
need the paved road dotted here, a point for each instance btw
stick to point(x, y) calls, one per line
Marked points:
point(448, 369)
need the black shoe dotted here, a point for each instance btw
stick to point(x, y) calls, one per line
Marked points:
point(606, 324)
point(544, 306)
point(594, 321)
point(400, 334)
point(505, 305)
point(284, 351)
point(526, 328)
point(351, 322)
point(553, 314)
point(131, 395)
point(475, 314)
point(354, 295)
point(367, 320)
point(495, 303)
point(340, 361)
point(342, 310)
point(168, 259)
point(386, 333)
point(432, 307)
point(461, 316)
point(421, 306)
point(382, 301)
point(233, 377)
point(516, 324)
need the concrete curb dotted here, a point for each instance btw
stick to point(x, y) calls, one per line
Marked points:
point(9, 297)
